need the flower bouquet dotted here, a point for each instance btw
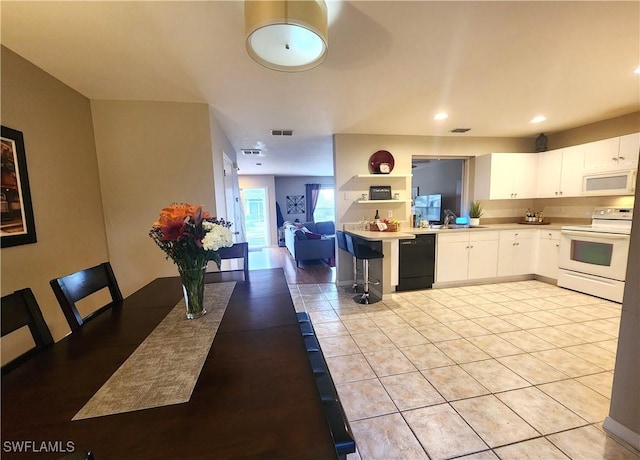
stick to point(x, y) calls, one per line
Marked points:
point(190, 237)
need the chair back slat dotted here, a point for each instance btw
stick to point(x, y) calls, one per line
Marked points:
point(237, 251)
point(72, 288)
point(21, 309)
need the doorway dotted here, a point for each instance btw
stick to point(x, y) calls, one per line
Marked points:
point(254, 201)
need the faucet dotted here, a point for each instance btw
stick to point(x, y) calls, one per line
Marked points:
point(448, 216)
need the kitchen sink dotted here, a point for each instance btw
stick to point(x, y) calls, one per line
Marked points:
point(459, 227)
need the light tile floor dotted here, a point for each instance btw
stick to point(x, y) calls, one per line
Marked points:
point(519, 370)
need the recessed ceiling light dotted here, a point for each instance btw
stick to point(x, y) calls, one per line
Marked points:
point(637, 70)
point(440, 116)
point(538, 119)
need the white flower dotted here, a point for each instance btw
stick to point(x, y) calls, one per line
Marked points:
point(216, 237)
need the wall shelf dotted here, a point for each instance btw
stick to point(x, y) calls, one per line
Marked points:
point(383, 201)
point(376, 176)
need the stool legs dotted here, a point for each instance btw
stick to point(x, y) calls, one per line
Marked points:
point(355, 275)
point(365, 295)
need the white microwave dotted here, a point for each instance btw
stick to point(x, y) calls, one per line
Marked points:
point(610, 183)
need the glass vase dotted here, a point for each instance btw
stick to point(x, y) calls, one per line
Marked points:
point(193, 290)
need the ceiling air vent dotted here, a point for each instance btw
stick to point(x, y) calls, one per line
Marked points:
point(460, 130)
point(251, 151)
point(282, 132)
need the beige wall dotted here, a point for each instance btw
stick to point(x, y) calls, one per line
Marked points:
point(613, 127)
point(270, 183)
point(150, 154)
point(624, 414)
point(65, 185)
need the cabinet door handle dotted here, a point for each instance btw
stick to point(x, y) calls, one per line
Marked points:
point(614, 159)
point(471, 247)
point(621, 158)
point(557, 245)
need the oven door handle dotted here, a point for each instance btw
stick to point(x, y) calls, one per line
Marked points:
point(604, 236)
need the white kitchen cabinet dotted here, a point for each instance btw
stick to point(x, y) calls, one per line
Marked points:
point(629, 151)
point(601, 155)
point(560, 172)
point(614, 154)
point(548, 249)
point(506, 175)
point(465, 255)
point(515, 254)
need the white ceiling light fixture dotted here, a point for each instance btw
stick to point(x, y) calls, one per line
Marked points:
point(538, 119)
point(637, 70)
point(284, 35)
point(440, 116)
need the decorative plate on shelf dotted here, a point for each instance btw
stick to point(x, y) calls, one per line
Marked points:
point(381, 162)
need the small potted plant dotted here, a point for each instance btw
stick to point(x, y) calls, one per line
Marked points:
point(475, 212)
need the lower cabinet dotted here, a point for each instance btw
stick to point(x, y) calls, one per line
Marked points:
point(548, 249)
point(466, 255)
point(516, 252)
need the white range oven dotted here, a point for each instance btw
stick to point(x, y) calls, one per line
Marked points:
point(593, 258)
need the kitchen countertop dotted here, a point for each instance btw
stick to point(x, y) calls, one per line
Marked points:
point(410, 233)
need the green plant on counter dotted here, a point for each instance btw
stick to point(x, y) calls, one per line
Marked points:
point(475, 210)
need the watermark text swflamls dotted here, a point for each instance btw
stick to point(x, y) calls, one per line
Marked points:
point(30, 446)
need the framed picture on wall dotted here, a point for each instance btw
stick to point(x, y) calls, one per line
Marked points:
point(295, 204)
point(16, 212)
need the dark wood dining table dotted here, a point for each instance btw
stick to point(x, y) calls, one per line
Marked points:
point(254, 398)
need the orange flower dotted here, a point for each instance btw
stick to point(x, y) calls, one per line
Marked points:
point(179, 212)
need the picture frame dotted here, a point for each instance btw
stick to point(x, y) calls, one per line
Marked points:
point(295, 204)
point(17, 224)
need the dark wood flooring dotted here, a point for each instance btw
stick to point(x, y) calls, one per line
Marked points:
point(309, 272)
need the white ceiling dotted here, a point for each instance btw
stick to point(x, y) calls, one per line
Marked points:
point(391, 66)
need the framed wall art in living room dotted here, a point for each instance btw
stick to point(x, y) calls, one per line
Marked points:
point(17, 225)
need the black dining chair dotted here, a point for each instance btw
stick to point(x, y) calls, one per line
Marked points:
point(237, 251)
point(18, 310)
point(71, 288)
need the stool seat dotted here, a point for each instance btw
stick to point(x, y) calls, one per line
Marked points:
point(365, 252)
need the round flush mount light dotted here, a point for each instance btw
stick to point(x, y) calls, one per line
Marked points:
point(289, 36)
point(440, 116)
point(538, 119)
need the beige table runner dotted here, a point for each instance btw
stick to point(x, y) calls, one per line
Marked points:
point(164, 369)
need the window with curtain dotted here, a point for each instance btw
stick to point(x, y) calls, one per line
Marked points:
point(325, 206)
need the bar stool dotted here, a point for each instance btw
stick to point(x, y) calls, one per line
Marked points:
point(342, 244)
point(364, 253)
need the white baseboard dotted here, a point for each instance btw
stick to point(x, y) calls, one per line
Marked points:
point(622, 432)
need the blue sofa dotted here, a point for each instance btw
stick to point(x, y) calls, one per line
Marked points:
point(311, 241)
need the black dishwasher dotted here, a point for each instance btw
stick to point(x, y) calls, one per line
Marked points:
point(417, 260)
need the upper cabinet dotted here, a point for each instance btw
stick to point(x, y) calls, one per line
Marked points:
point(502, 176)
point(612, 154)
point(555, 173)
point(629, 151)
point(560, 172)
